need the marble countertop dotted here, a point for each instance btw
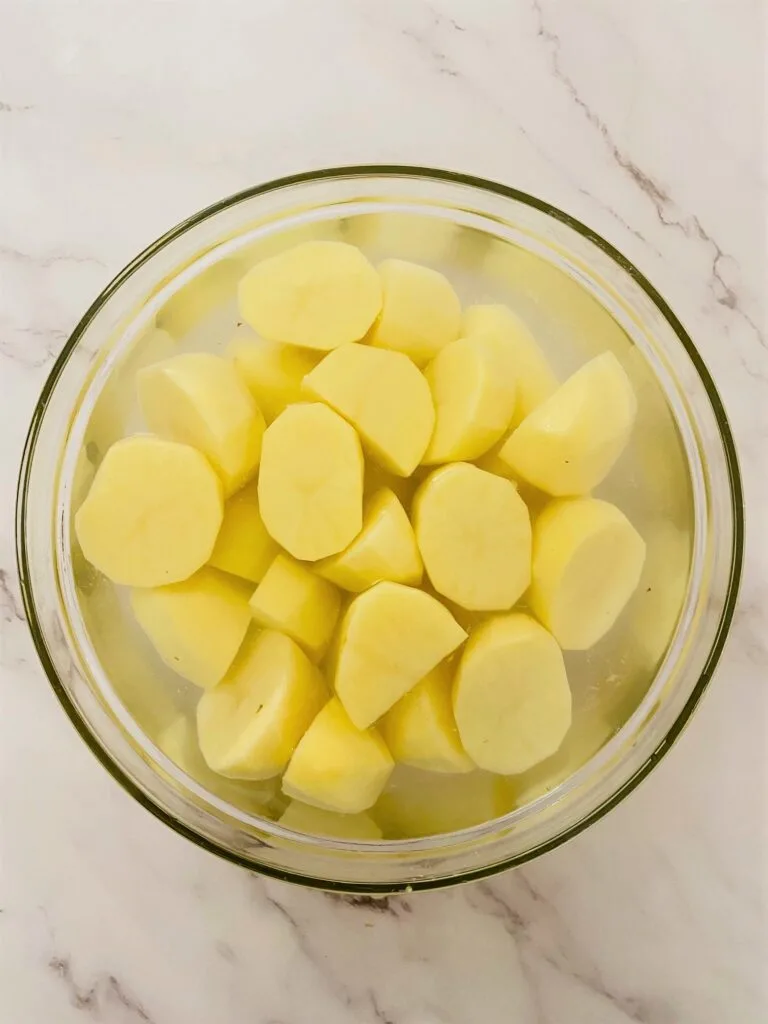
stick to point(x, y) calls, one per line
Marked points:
point(645, 120)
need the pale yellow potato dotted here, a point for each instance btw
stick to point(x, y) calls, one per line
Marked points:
point(420, 729)
point(197, 300)
point(199, 399)
point(473, 391)
point(474, 533)
point(249, 725)
point(294, 600)
point(196, 626)
point(272, 372)
point(311, 482)
point(410, 236)
point(317, 295)
point(385, 548)
point(569, 444)
point(336, 766)
point(517, 346)
point(510, 695)
point(384, 396)
point(314, 821)
point(391, 636)
point(152, 514)
point(243, 546)
point(420, 314)
point(587, 561)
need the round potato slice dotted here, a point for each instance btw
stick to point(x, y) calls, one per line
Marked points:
point(511, 696)
point(317, 295)
point(152, 514)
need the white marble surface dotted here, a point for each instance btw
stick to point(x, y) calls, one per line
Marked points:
point(118, 118)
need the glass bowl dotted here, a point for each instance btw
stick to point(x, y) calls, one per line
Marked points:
point(498, 244)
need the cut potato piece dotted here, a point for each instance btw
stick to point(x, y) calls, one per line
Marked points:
point(474, 534)
point(196, 626)
point(293, 599)
point(511, 696)
point(337, 766)
point(474, 396)
point(410, 236)
point(420, 729)
point(199, 399)
point(243, 546)
point(420, 314)
point(311, 482)
point(152, 514)
point(314, 821)
point(587, 560)
point(419, 803)
point(249, 725)
point(385, 549)
point(197, 300)
point(384, 397)
point(569, 444)
point(272, 372)
point(317, 295)
point(535, 379)
point(391, 637)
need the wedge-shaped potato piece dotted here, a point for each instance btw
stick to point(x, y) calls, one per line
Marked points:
point(421, 311)
point(199, 399)
point(249, 725)
point(314, 821)
point(383, 396)
point(311, 482)
point(243, 546)
point(196, 626)
point(474, 534)
point(568, 445)
point(294, 600)
point(152, 513)
point(517, 346)
point(385, 549)
point(418, 803)
point(391, 636)
point(318, 295)
point(510, 695)
point(587, 561)
point(420, 729)
point(272, 372)
point(337, 766)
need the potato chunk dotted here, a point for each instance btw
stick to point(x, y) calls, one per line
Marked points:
point(511, 696)
point(587, 560)
point(314, 821)
point(317, 295)
point(391, 636)
point(243, 546)
point(272, 372)
point(152, 513)
point(384, 397)
point(336, 766)
point(418, 803)
point(199, 399)
point(311, 482)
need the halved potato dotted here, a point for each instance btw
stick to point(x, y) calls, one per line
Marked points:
point(272, 372)
point(243, 546)
point(314, 821)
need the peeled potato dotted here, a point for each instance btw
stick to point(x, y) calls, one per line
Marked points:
point(385, 549)
point(534, 376)
point(383, 396)
point(317, 295)
point(272, 372)
point(337, 766)
point(510, 695)
point(418, 803)
point(474, 395)
point(412, 236)
point(249, 725)
point(587, 560)
point(420, 729)
point(474, 533)
point(311, 482)
point(420, 314)
point(199, 399)
point(196, 301)
point(196, 626)
point(568, 445)
point(293, 599)
point(243, 546)
point(152, 513)
point(314, 821)
point(391, 636)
